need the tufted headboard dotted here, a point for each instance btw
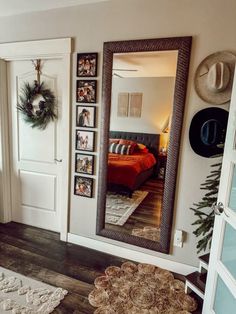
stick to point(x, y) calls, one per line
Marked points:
point(150, 140)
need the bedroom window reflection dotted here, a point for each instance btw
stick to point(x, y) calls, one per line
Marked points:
point(138, 148)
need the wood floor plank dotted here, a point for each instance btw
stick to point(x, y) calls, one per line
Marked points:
point(46, 275)
point(58, 250)
point(32, 232)
point(73, 270)
point(78, 291)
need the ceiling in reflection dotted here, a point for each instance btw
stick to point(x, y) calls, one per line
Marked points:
point(145, 64)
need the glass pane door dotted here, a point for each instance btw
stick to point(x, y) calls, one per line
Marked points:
point(228, 256)
point(224, 303)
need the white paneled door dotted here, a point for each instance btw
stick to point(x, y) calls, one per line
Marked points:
point(220, 297)
point(37, 165)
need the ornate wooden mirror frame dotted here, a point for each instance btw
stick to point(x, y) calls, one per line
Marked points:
point(183, 46)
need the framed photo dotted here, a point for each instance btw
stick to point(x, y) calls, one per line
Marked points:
point(85, 140)
point(83, 186)
point(85, 116)
point(87, 64)
point(86, 91)
point(84, 163)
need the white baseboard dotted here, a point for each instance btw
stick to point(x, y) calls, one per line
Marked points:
point(131, 254)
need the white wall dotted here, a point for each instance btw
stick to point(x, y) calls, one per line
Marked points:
point(157, 103)
point(212, 24)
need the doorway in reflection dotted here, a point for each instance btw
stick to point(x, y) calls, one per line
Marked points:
point(140, 121)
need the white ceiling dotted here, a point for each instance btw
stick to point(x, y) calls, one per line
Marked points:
point(14, 7)
point(145, 64)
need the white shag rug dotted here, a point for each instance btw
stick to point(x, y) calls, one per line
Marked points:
point(23, 295)
point(120, 207)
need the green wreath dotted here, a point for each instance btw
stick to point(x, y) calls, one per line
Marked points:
point(41, 114)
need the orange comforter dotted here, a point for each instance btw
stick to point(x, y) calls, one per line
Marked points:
point(123, 169)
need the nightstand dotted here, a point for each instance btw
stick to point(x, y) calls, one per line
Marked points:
point(162, 159)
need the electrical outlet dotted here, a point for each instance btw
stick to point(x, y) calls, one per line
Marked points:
point(178, 238)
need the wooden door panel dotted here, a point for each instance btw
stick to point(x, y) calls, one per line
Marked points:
point(41, 151)
point(38, 190)
point(40, 141)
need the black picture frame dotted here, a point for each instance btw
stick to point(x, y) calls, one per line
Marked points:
point(86, 91)
point(85, 116)
point(85, 140)
point(83, 186)
point(84, 163)
point(87, 64)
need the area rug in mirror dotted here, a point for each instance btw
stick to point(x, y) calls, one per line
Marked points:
point(140, 289)
point(120, 207)
point(23, 295)
point(147, 232)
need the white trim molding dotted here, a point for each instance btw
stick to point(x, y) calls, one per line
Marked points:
point(5, 203)
point(130, 254)
point(66, 149)
point(190, 287)
point(35, 49)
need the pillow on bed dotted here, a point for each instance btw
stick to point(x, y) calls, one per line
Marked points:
point(129, 142)
point(144, 150)
point(126, 142)
point(141, 148)
point(117, 148)
point(114, 140)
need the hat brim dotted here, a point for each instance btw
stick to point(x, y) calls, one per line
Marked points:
point(195, 138)
point(201, 76)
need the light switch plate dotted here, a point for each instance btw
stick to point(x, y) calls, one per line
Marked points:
point(178, 238)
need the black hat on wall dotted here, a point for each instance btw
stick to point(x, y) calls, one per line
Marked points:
point(207, 131)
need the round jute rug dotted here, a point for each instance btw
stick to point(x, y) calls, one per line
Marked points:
point(140, 289)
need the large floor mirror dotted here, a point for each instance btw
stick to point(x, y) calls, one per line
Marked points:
point(144, 87)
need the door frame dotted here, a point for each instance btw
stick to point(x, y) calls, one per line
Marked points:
point(28, 50)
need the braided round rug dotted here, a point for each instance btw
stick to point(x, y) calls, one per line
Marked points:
point(140, 289)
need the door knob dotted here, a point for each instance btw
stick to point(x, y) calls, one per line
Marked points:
point(219, 209)
point(57, 160)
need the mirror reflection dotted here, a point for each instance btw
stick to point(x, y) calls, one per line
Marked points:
point(140, 121)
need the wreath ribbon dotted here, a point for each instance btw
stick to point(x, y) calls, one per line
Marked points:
point(37, 67)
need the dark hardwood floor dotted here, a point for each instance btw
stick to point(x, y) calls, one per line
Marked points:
point(148, 213)
point(39, 254)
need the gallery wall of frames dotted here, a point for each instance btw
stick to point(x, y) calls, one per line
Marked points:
point(86, 97)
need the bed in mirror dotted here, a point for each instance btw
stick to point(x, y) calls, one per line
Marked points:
point(144, 87)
